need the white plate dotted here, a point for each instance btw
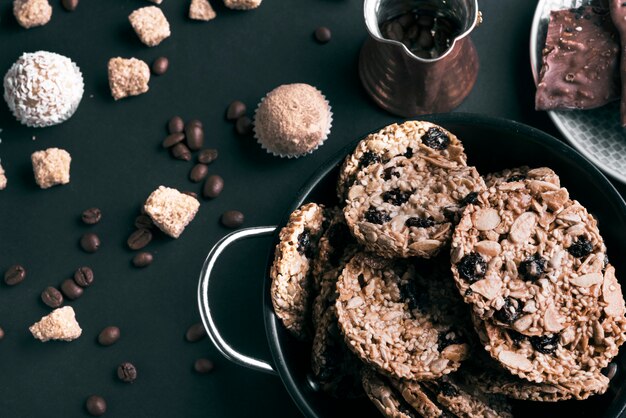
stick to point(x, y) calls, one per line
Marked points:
point(596, 133)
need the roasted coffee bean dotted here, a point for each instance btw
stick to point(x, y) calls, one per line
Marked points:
point(69, 5)
point(322, 34)
point(244, 126)
point(91, 216)
point(173, 139)
point(581, 248)
point(203, 366)
point(83, 276)
point(194, 134)
point(143, 221)
point(175, 125)
point(139, 239)
point(195, 333)
point(198, 173)
point(142, 259)
point(232, 219)
point(436, 139)
point(71, 290)
point(610, 371)
point(1, 333)
point(14, 275)
point(90, 242)
point(52, 297)
point(190, 193)
point(160, 66)
point(213, 186)
point(181, 152)
point(207, 156)
point(127, 372)
point(109, 336)
point(96, 405)
point(235, 110)
point(472, 267)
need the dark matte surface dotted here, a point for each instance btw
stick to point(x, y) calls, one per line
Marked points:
point(117, 162)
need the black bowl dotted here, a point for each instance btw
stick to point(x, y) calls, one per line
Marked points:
point(491, 144)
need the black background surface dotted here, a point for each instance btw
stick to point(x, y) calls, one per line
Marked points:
point(117, 161)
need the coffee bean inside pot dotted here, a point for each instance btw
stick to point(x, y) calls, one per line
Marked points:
point(194, 134)
point(96, 405)
point(195, 333)
point(243, 126)
point(14, 275)
point(160, 66)
point(90, 242)
point(203, 366)
point(109, 336)
point(71, 290)
point(91, 216)
point(83, 276)
point(52, 297)
point(142, 259)
point(181, 152)
point(235, 110)
point(127, 372)
point(173, 139)
point(213, 186)
point(232, 219)
point(139, 239)
point(207, 156)
point(198, 173)
point(175, 125)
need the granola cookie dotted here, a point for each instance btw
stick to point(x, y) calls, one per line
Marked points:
point(291, 270)
point(384, 397)
point(407, 206)
point(395, 324)
point(407, 139)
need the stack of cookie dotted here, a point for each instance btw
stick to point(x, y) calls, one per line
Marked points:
point(438, 292)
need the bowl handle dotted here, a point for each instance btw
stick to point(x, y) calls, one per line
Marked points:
point(203, 299)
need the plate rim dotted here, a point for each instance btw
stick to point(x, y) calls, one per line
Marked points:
point(534, 67)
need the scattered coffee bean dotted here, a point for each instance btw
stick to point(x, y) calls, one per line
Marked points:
point(213, 186)
point(14, 275)
point(160, 66)
point(96, 405)
point(175, 125)
point(69, 5)
point(143, 221)
point(90, 242)
point(207, 156)
point(198, 173)
point(232, 219)
point(1, 333)
point(243, 126)
point(52, 297)
point(109, 336)
point(190, 193)
point(181, 152)
point(139, 239)
point(203, 366)
point(71, 290)
point(142, 259)
point(609, 372)
point(83, 276)
point(322, 34)
point(194, 134)
point(173, 139)
point(91, 216)
point(127, 372)
point(195, 333)
point(235, 110)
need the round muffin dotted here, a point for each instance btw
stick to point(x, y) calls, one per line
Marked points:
point(292, 120)
point(43, 88)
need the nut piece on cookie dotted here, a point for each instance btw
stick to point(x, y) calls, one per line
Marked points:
point(150, 25)
point(60, 324)
point(51, 167)
point(128, 77)
point(3, 179)
point(170, 210)
point(242, 4)
point(201, 10)
point(32, 13)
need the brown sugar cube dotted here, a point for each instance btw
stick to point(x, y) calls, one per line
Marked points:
point(128, 77)
point(150, 25)
point(32, 13)
point(51, 167)
point(170, 210)
point(3, 179)
point(59, 325)
point(242, 4)
point(201, 10)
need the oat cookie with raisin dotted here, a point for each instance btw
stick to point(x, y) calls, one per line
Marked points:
point(392, 322)
point(408, 206)
point(410, 138)
point(292, 268)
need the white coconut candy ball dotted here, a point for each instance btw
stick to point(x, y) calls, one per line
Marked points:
point(43, 88)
